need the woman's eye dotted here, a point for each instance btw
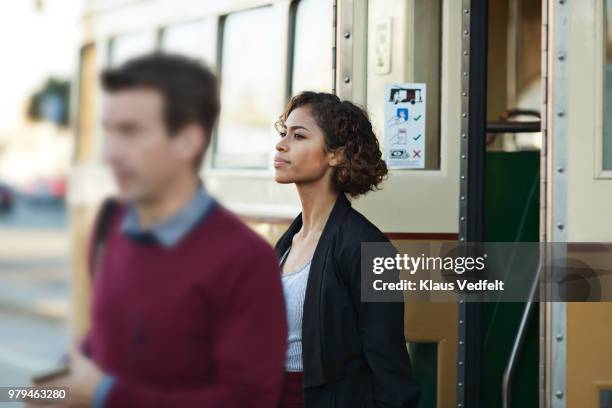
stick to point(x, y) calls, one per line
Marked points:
point(282, 134)
point(297, 136)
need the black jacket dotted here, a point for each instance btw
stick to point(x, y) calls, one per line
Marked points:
point(354, 353)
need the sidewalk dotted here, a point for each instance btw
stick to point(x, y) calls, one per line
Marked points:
point(34, 272)
point(34, 301)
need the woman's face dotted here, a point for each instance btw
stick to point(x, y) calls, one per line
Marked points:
point(301, 156)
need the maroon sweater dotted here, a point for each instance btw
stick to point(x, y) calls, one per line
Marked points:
point(199, 325)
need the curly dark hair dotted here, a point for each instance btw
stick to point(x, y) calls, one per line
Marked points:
point(346, 128)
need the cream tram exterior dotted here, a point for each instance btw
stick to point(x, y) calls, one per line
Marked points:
point(548, 57)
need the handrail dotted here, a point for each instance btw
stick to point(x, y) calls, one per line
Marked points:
point(514, 127)
point(503, 124)
point(518, 341)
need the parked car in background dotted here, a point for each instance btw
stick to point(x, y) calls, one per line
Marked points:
point(43, 191)
point(7, 198)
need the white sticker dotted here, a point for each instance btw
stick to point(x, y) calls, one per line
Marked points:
point(404, 146)
point(382, 49)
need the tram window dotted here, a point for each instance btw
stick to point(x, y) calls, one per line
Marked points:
point(251, 88)
point(605, 398)
point(312, 49)
point(126, 46)
point(607, 103)
point(196, 39)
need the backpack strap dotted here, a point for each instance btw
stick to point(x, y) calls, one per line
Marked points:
point(101, 229)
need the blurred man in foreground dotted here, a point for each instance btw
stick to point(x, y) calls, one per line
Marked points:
point(187, 307)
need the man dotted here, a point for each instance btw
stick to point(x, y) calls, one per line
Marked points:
point(187, 307)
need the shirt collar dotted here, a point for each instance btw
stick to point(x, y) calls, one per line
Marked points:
point(170, 231)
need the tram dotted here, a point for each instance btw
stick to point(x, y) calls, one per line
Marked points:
point(518, 148)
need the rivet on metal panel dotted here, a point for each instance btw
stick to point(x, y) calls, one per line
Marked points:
point(559, 394)
point(347, 80)
point(347, 35)
point(560, 226)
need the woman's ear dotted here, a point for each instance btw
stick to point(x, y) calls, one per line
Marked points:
point(336, 157)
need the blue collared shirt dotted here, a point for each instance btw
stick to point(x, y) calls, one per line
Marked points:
point(168, 234)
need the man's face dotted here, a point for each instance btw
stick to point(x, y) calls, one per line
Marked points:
point(143, 156)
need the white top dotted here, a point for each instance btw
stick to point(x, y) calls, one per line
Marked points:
point(294, 288)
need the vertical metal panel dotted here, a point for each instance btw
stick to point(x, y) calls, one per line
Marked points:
point(557, 141)
point(335, 47)
point(344, 48)
point(543, 202)
point(463, 175)
point(471, 195)
point(350, 50)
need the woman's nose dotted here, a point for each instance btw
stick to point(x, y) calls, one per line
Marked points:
point(280, 146)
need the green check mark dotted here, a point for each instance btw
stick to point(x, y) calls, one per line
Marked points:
point(417, 138)
point(417, 117)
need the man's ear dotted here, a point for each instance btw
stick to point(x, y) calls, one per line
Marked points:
point(191, 141)
point(336, 157)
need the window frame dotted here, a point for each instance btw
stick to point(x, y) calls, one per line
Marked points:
point(111, 42)
point(600, 79)
point(287, 16)
point(291, 39)
point(213, 20)
point(213, 156)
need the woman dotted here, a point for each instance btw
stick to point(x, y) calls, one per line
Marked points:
point(341, 352)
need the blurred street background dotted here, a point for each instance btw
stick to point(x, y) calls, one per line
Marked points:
point(35, 150)
point(34, 288)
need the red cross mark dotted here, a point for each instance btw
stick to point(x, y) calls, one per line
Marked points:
point(416, 153)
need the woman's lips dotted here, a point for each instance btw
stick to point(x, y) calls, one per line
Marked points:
point(278, 162)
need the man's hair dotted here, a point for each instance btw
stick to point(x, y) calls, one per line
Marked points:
point(190, 90)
